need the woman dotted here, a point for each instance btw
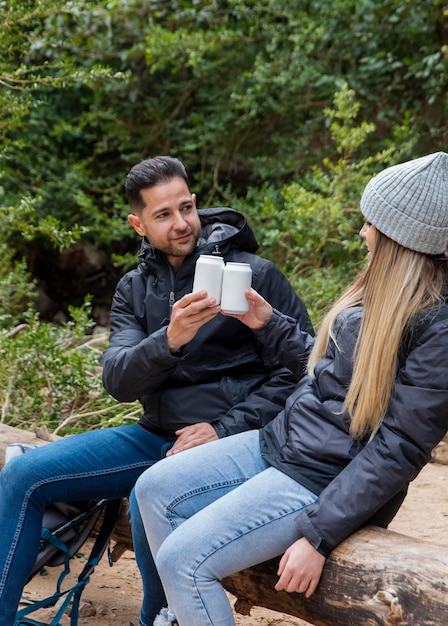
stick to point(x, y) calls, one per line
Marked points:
point(357, 430)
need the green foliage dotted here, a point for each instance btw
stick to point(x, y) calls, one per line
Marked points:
point(48, 78)
point(238, 89)
point(310, 226)
point(243, 85)
point(32, 62)
point(51, 375)
point(22, 219)
point(17, 288)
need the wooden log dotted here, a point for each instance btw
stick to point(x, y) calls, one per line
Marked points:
point(440, 453)
point(9, 435)
point(375, 577)
point(121, 535)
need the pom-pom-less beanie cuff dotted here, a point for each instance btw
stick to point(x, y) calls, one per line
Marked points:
point(409, 203)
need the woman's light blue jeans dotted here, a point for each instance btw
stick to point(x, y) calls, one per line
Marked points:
point(212, 511)
point(94, 465)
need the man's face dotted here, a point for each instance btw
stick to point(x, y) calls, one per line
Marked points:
point(169, 220)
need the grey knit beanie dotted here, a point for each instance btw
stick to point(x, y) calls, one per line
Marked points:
point(409, 203)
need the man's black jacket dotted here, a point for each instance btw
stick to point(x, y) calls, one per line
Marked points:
point(224, 376)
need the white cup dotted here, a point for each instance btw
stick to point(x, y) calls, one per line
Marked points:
point(237, 277)
point(208, 275)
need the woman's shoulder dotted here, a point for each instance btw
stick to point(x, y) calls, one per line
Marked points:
point(348, 318)
point(433, 319)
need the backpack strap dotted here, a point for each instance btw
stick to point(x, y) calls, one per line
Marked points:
point(111, 514)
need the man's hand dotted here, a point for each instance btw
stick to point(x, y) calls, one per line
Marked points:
point(188, 315)
point(259, 311)
point(300, 568)
point(192, 436)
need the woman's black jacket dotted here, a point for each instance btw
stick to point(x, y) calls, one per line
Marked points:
point(358, 482)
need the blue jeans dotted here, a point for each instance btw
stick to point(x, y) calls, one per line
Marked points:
point(212, 511)
point(93, 465)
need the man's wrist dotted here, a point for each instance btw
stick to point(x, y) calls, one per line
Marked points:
point(179, 353)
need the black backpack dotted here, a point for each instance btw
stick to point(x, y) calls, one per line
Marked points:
point(65, 528)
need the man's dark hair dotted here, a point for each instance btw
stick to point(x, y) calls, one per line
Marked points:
point(149, 173)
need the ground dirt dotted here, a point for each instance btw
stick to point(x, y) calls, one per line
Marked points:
point(114, 594)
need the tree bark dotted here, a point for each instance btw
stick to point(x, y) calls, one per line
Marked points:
point(374, 577)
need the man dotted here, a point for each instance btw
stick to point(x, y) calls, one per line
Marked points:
point(199, 375)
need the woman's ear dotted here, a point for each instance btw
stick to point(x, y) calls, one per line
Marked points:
point(136, 224)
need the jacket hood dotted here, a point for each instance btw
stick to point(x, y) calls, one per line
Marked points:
point(227, 227)
point(221, 229)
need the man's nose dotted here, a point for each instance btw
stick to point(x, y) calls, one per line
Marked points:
point(179, 221)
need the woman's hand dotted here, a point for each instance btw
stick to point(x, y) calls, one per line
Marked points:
point(300, 568)
point(259, 311)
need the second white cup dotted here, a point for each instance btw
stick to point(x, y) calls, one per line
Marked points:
point(237, 277)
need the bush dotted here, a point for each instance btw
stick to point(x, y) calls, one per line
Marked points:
point(51, 375)
point(309, 227)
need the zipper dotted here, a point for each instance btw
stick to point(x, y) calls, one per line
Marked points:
point(171, 301)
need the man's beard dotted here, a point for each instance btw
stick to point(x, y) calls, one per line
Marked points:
point(177, 249)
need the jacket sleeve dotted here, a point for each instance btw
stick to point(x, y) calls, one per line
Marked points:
point(416, 421)
point(262, 405)
point(135, 363)
point(286, 338)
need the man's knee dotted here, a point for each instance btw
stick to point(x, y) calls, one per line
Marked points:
point(16, 478)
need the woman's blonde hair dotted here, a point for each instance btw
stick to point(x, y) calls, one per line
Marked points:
point(392, 289)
